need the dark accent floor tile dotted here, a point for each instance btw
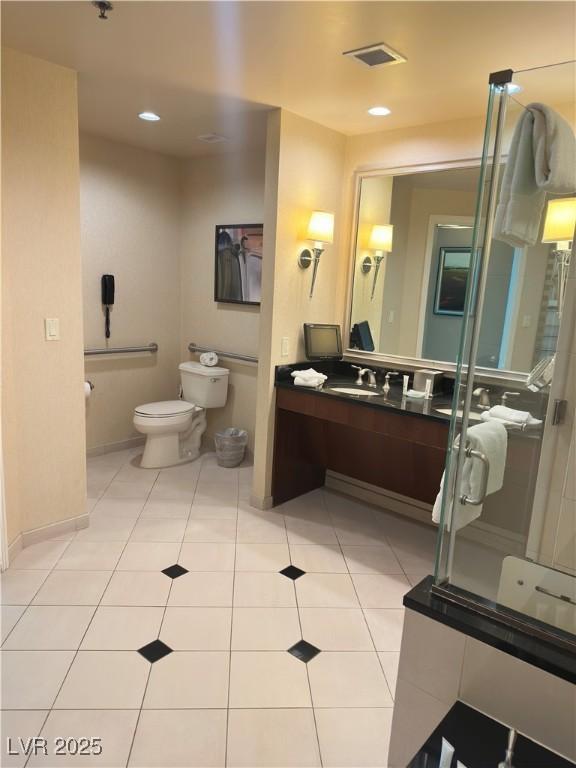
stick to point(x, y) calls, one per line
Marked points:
point(304, 651)
point(155, 651)
point(174, 571)
point(292, 572)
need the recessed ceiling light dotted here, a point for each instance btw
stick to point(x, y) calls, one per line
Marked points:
point(513, 88)
point(378, 111)
point(150, 117)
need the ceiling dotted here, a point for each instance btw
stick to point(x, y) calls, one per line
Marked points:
point(219, 66)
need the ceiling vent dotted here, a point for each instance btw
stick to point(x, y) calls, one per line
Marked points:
point(211, 138)
point(376, 55)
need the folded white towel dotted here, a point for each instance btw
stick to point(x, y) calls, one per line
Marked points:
point(308, 382)
point(531, 421)
point(509, 414)
point(542, 159)
point(491, 439)
point(308, 378)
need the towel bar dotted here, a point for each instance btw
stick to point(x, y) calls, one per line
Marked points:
point(194, 348)
point(152, 347)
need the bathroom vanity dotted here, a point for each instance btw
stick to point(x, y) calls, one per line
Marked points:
point(395, 443)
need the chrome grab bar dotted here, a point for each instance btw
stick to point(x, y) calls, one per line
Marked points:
point(195, 349)
point(152, 347)
point(471, 454)
point(549, 593)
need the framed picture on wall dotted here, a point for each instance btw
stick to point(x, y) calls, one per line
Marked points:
point(238, 271)
point(453, 272)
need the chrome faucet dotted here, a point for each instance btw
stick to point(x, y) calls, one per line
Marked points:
point(483, 398)
point(361, 372)
point(506, 395)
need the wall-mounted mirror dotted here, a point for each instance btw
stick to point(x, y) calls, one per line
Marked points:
point(412, 263)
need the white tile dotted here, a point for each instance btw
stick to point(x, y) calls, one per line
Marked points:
point(137, 588)
point(73, 588)
point(310, 532)
point(371, 559)
point(336, 629)
point(358, 533)
point(158, 529)
point(207, 556)
point(174, 738)
point(432, 656)
point(272, 738)
point(50, 628)
point(171, 510)
point(162, 493)
point(318, 558)
point(262, 557)
point(19, 587)
point(122, 629)
point(389, 661)
point(260, 679)
point(202, 589)
point(104, 680)
point(210, 530)
point(265, 590)
point(148, 556)
point(381, 591)
point(203, 509)
point(197, 629)
point(131, 473)
point(41, 556)
point(261, 527)
point(265, 629)
point(125, 509)
point(31, 679)
point(348, 680)
point(106, 528)
point(15, 725)
point(119, 490)
point(91, 556)
point(385, 627)
point(189, 680)
point(354, 738)
point(114, 728)
point(10, 615)
point(326, 590)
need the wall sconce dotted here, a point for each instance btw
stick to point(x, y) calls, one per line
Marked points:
point(380, 243)
point(321, 231)
point(559, 228)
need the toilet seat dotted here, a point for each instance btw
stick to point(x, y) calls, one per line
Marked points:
point(165, 409)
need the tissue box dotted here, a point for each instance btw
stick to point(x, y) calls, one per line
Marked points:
point(423, 375)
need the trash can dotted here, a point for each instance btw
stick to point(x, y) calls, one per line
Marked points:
point(230, 446)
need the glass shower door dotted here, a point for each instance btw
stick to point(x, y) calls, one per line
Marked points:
point(507, 538)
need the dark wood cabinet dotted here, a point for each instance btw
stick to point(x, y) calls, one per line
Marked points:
point(397, 451)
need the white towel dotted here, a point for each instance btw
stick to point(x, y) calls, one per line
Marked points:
point(530, 422)
point(509, 414)
point(542, 159)
point(491, 439)
point(308, 378)
point(299, 382)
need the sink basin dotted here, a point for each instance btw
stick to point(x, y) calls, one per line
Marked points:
point(471, 416)
point(350, 391)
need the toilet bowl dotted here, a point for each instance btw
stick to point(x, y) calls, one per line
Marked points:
point(174, 428)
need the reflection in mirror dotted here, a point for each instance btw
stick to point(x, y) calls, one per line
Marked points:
point(412, 266)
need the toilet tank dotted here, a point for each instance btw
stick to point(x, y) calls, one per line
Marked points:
point(203, 385)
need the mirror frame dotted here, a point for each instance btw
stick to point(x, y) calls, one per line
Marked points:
point(401, 361)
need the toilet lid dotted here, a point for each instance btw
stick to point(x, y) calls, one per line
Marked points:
point(165, 408)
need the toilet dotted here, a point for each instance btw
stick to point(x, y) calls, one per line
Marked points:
point(174, 428)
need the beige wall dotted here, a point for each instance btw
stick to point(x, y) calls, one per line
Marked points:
point(223, 189)
point(43, 399)
point(130, 207)
point(304, 168)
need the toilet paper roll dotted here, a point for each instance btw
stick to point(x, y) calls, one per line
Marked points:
point(87, 389)
point(209, 358)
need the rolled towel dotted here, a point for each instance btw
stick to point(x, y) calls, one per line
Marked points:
point(504, 413)
point(308, 382)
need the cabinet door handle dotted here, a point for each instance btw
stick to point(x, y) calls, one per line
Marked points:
point(471, 454)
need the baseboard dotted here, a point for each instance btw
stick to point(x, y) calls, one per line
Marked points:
point(14, 548)
point(261, 502)
point(495, 538)
point(380, 497)
point(100, 450)
point(53, 530)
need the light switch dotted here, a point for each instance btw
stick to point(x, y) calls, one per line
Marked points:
point(285, 346)
point(391, 316)
point(52, 328)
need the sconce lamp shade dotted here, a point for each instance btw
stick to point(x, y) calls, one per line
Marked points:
point(321, 227)
point(560, 220)
point(381, 237)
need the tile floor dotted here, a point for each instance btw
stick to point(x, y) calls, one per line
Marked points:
point(171, 628)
